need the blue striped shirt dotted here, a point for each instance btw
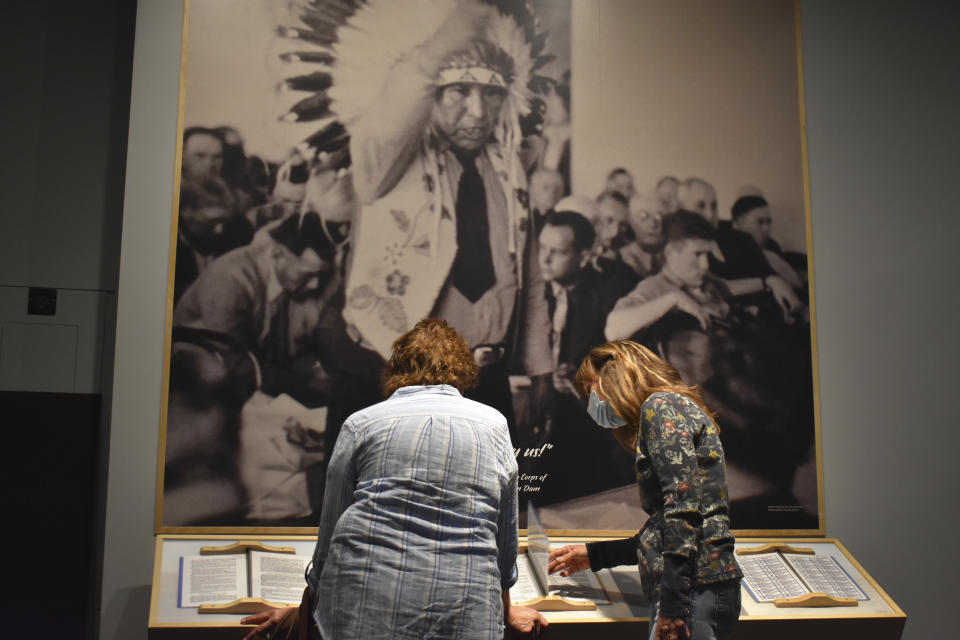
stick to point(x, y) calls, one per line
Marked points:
point(418, 533)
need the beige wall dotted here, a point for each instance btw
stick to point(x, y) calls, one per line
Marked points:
point(692, 88)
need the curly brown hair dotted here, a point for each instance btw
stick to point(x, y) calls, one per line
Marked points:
point(626, 374)
point(430, 353)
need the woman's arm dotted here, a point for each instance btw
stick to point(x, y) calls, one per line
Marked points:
point(593, 555)
point(521, 619)
point(507, 519)
point(337, 494)
point(612, 553)
point(668, 429)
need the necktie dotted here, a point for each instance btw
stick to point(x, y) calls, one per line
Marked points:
point(472, 271)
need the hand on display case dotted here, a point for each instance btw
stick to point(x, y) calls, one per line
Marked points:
point(569, 559)
point(265, 621)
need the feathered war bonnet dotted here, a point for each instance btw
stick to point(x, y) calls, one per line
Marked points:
point(340, 52)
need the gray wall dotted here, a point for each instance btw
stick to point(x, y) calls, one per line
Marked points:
point(66, 71)
point(881, 106)
point(141, 300)
point(62, 179)
point(63, 115)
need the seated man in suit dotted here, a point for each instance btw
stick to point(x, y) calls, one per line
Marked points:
point(577, 296)
point(645, 254)
point(611, 222)
point(745, 261)
point(578, 299)
point(751, 216)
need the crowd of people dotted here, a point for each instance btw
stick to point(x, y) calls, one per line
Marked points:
point(294, 275)
point(261, 264)
point(258, 294)
point(716, 297)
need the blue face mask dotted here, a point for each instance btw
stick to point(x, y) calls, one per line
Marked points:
point(602, 413)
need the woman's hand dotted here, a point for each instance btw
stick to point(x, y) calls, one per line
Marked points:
point(569, 559)
point(526, 620)
point(672, 629)
point(265, 621)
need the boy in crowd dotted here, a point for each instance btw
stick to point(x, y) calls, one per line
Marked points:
point(683, 284)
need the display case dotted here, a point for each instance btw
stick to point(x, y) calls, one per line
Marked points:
point(877, 616)
point(626, 615)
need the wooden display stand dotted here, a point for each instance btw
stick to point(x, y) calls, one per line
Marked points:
point(818, 615)
point(244, 606)
point(626, 616)
point(813, 599)
point(168, 621)
point(557, 603)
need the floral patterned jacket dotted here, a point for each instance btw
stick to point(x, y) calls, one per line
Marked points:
point(682, 481)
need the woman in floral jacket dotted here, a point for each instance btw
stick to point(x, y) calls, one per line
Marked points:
point(685, 551)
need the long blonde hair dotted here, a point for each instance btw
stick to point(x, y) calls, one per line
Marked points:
point(627, 374)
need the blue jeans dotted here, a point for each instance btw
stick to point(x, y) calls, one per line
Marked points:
point(714, 611)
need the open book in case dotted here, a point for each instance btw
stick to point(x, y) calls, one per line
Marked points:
point(241, 577)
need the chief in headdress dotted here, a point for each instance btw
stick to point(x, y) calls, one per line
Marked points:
point(431, 94)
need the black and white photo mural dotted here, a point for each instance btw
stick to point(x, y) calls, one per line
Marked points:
point(544, 176)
